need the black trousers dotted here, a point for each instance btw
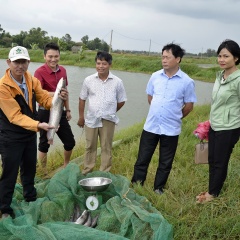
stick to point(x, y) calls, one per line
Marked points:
point(64, 132)
point(15, 155)
point(220, 147)
point(167, 149)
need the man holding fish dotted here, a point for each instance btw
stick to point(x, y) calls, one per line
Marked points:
point(19, 92)
point(49, 75)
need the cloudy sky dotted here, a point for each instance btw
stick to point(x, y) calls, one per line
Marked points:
point(196, 25)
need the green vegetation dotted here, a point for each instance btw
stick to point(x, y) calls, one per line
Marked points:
point(130, 62)
point(215, 220)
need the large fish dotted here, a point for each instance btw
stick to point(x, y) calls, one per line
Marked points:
point(55, 111)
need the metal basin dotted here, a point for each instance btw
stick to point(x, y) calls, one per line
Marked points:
point(95, 184)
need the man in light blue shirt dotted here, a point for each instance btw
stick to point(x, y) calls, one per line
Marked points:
point(171, 95)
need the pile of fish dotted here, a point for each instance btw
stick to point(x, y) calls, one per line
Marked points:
point(84, 218)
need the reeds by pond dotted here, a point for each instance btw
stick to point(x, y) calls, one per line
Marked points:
point(130, 62)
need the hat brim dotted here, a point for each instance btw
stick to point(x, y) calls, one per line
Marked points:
point(19, 57)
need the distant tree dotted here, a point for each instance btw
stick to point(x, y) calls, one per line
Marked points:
point(36, 35)
point(105, 46)
point(85, 39)
point(94, 44)
point(62, 44)
point(6, 41)
point(209, 53)
point(2, 31)
point(67, 42)
point(67, 38)
point(18, 39)
point(52, 39)
point(5, 38)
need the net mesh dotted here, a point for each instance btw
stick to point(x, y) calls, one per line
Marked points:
point(123, 214)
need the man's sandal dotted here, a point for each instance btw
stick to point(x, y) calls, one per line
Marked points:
point(204, 197)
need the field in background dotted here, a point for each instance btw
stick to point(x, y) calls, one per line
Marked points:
point(132, 63)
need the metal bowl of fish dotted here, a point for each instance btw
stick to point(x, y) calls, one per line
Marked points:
point(95, 184)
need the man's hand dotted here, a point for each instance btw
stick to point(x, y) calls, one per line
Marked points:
point(81, 122)
point(63, 94)
point(68, 115)
point(45, 126)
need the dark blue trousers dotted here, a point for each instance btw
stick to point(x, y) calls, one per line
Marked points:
point(17, 155)
point(167, 150)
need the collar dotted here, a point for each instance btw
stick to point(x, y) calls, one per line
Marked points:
point(110, 76)
point(49, 70)
point(19, 84)
point(178, 73)
point(8, 80)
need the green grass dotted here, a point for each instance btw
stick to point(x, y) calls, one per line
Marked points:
point(216, 220)
point(219, 219)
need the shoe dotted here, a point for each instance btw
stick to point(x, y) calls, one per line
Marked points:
point(5, 215)
point(204, 197)
point(158, 191)
point(30, 199)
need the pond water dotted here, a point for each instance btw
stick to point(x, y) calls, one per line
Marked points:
point(135, 109)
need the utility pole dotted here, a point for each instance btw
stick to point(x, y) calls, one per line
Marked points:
point(149, 48)
point(110, 45)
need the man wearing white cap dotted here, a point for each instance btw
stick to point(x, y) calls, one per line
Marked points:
point(19, 92)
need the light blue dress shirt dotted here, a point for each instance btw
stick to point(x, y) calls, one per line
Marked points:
point(168, 98)
point(22, 86)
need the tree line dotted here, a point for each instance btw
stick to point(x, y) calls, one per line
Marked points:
point(36, 38)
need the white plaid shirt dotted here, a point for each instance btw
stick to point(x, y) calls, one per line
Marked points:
point(102, 97)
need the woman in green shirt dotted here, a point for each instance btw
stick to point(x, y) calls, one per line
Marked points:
point(224, 118)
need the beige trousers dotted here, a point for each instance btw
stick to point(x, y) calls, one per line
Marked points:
point(105, 134)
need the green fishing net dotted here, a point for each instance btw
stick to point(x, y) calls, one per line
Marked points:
point(123, 214)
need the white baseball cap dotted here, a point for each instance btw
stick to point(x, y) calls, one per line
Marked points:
point(18, 52)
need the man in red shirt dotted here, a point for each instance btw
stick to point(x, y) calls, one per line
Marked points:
point(49, 74)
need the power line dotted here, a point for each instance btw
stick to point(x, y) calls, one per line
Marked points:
point(106, 34)
point(131, 37)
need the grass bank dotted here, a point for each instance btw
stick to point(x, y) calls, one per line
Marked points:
point(219, 219)
point(131, 62)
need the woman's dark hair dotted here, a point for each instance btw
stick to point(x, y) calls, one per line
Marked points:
point(104, 56)
point(177, 51)
point(49, 46)
point(232, 47)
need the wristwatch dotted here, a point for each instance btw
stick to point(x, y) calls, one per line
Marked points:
point(68, 110)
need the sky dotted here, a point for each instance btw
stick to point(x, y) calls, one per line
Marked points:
point(143, 25)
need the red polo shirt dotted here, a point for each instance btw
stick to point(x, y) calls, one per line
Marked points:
point(48, 78)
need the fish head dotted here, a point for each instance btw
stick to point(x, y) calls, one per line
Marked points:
point(61, 84)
